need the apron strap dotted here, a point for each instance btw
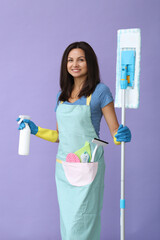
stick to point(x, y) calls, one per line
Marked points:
point(87, 101)
point(59, 161)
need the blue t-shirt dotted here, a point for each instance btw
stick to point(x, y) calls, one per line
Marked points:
point(100, 98)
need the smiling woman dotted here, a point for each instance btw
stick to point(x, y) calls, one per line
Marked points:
point(81, 103)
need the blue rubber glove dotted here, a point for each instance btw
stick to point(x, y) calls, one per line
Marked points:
point(33, 127)
point(123, 134)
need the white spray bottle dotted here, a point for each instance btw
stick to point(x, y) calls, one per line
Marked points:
point(24, 137)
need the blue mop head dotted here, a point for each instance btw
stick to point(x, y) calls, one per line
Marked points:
point(128, 54)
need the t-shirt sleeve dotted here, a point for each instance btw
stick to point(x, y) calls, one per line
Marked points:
point(105, 96)
point(57, 100)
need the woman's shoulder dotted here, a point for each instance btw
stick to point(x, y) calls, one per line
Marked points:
point(101, 88)
point(57, 102)
point(58, 94)
point(102, 95)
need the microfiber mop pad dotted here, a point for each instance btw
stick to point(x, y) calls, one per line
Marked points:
point(128, 39)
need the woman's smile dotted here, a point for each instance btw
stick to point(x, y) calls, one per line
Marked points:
point(77, 64)
point(76, 70)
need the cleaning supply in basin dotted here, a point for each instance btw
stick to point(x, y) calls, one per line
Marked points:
point(71, 157)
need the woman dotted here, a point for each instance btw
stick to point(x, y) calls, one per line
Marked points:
point(80, 105)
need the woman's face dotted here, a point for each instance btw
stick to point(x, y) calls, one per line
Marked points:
point(76, 63)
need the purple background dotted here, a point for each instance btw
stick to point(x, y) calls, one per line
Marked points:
point(33, 37)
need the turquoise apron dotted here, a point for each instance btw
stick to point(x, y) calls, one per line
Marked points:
point(80, 186)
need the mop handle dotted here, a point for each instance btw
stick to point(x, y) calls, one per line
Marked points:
point(122, 200)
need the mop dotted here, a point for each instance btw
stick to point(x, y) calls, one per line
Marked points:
point(127, 92)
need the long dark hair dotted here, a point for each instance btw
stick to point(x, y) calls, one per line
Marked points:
point(66, 79)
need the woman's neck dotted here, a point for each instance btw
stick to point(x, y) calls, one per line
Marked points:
point(78, 83)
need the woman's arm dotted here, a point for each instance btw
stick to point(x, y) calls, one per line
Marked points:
point(47, 134)
point(58, 133)
point(123, 133)
point(110, 117)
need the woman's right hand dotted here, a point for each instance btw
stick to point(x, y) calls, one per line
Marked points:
point(33, 127)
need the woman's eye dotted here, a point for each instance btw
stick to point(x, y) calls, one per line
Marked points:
point(71, 60)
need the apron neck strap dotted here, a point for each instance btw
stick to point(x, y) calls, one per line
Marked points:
point(87, 100)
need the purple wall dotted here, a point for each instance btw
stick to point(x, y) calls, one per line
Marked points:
point(33, 36)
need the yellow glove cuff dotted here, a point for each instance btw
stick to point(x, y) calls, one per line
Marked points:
point(115, 140)
point(47, 134)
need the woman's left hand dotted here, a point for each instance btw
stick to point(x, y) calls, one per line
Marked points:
point(123, 134)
